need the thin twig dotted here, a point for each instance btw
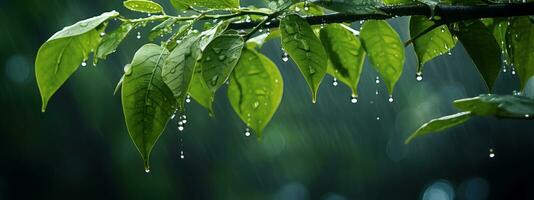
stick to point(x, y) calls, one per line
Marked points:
point(447, 13)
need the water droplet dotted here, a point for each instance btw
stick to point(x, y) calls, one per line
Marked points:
point(188, 99)
point(377, 81)
point(353, 99)
point(182, 156)
point(102, 34)
point(527, 115)
point(84, 63)
point(306, 6)
point(285, 56)
point(513, 70)
point(377, 118)
point(173, 116)
point(390, 99)
point(247, 19)
point(492, 153)
point(247, 132)
point(419, 76)
point(180, 127)
point(297, 9)
point(376, 92)
point(335, 83)
point(138, 35)
point(147, 170)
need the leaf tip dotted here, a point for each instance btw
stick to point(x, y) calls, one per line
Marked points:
point(409, 139)
point(44, 104)
point(147, 166)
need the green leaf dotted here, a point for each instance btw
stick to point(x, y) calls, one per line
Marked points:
point(306, 9)
point(212, 33)
point(300, 42)
point(179, 68)
point(184, 30)
point(258, 41)
point(440, 124)
point(481, 45)
point(522, 38)
point(506, 106)
point(255, 90)
point(62, 54)
point(500, 32)
point(200, 92)
point(145, 6)
point(147, 102)
point(218, 4)
point(385, 50)
point(178, 5)
point(358, 7)
point(432, 44)
point(219, 59)
point(161, 29)
point(345, 53)
point(111, 41)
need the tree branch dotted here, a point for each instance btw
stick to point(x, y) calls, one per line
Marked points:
point(446, 13)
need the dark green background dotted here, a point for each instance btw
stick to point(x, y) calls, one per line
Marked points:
point(79, 148)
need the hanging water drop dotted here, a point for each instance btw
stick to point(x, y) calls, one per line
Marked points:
point(527, 115)
point(306, 6)
point(138, 35)
point(491, 153)
point(376, 92)
point(377, 80)
point(419, 76)
point(335, 83)
point(183, 119)
point(377, 118)
point(180, 126)
point(247, 132)
point(102, 34)
point(188, 99)
point(285, 57)
point(173, 116)
point(247, 19)
point(147, 170)
point(182, 156)
point(84, 63)
point(390, 99)
point(513, 70)
point(353, 99)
